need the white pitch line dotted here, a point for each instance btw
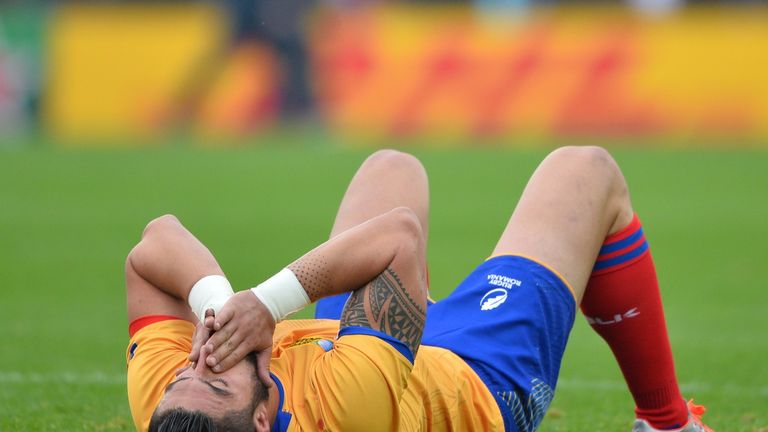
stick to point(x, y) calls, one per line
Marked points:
point(98, 377)
point(692, 387)
point(103, 378)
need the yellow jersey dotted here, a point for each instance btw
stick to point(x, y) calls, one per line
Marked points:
point(330, 381)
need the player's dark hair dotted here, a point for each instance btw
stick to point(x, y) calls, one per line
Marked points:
point(182, 420)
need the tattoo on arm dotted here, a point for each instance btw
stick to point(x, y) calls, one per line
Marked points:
point(386, 306)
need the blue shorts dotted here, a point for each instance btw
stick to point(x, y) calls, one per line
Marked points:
point(509, 320)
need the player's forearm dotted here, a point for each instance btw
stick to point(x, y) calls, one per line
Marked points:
point(357, 256)
point(171, 258)
point(390, 246)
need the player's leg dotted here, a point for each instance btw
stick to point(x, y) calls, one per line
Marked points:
point(160, 270)
point(574, 199)
point(386, 180)
point(575, 215)
point(510, 318)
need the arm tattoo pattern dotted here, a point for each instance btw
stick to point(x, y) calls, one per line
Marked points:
point(385, 305)
point(313, 274)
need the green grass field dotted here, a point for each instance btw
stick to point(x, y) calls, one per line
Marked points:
point(68, 219)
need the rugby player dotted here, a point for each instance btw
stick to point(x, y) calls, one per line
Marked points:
point(381, 355)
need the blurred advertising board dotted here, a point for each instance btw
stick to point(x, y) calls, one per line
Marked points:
point(135, 70)
point(561, 72)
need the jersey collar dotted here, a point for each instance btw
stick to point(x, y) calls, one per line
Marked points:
point(283, 418)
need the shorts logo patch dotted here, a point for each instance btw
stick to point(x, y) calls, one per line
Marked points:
point(493, 299)
point(497, 296)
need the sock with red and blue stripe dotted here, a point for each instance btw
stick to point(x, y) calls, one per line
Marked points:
point(622, 303)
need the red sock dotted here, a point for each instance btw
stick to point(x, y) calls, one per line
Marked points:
point(623, 305)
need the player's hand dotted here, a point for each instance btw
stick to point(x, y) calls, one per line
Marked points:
point(202, 333)
point(242, 326)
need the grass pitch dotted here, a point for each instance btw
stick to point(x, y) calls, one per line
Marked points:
point(68, 219)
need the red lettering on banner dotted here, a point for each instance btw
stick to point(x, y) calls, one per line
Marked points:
point(445, 66)
point(601, 102)
point(407, 71)
point(520, 66)
point(344, 55)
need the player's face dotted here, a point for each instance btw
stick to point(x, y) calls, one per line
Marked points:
point(198, 388)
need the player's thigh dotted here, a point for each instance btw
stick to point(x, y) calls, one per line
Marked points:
point(386, 180)
point(575, 197)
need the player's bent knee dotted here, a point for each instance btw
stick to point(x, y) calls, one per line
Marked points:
point(592, 161)
point(592, 155)
point(391, 160)
point(595, 166)
point(161, 223)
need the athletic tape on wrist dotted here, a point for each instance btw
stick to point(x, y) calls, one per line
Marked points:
point(282, 294)
point(210, 292)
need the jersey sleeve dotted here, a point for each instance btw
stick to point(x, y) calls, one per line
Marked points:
point(360, 383)
point(154, 353)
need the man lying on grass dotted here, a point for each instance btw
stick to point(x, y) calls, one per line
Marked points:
point(380, 355)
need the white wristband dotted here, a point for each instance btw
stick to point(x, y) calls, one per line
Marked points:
point(210, 292)
point(282, 294)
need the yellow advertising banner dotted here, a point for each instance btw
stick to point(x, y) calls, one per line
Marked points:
point(565, 72)
point(124, 71)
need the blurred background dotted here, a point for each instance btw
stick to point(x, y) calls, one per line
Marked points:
point(131, 73)
point(247, 119)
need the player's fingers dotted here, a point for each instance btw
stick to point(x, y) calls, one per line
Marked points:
point(198, 340)
point(209, 319)
point(195, 352)
point(225, 349)
point(224, 316)
point(238, 353)
point(262, 366)
point(221, 336)
point(197, 343)
point(220, 344)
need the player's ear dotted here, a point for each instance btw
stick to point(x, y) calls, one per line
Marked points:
point(260, 418)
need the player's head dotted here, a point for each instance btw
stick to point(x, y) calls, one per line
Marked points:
point(201, 400)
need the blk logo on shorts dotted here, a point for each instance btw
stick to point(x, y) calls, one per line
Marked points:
point(493, 299)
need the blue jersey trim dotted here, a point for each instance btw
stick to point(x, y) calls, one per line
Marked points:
point(621, 259)
point(621, 244)
point(395, 343)
point(283, 418)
